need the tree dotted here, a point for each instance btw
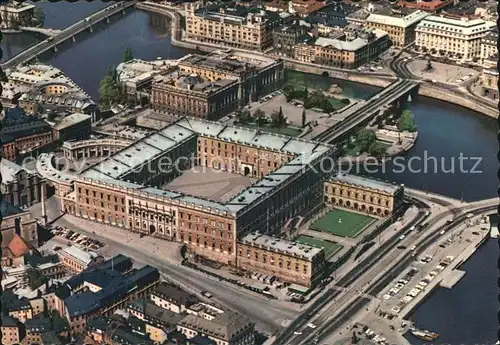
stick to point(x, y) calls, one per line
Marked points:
point(304, 118)
point(110, 91)
point(278, 119)
point(365, 138)
point(377, 149)
point(38, 17)
point(407, 122)
point(35, 278)
point(288, 91)
point(14, 23)
point(244, 116)
point(128, 55)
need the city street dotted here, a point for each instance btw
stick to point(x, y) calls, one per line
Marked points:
point(269, 315)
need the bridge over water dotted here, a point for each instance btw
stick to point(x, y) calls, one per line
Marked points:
point(56, 38)
point(398, 92)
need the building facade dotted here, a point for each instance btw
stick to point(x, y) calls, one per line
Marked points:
point(20, 187)
point(76, 260)
point(234, 26)
point(76, 126)
point(489, 80)
point(456, 38)
point(363, 195)
point(212, 86)
point(285, 38)
point(400, 24)
point(288, 261)
point(351, 50)
point(489, 50)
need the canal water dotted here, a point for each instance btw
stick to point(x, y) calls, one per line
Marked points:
point(464, 315)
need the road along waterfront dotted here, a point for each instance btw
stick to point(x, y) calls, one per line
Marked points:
point(444, 131)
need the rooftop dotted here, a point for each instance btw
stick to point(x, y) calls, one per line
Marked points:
point(79, 254)
point(9, 170)
point(354, 45)
point(225, 326)
point(462, 26)
point(71, 120)
point(366, 183)
point(404, 19)
point(281, 246)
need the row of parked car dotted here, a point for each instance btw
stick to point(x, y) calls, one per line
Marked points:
point(77, 238)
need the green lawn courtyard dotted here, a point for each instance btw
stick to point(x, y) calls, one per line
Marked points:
point(330, 248)
point(343, 223)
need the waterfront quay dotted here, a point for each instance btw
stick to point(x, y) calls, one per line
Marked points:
point(389, 315)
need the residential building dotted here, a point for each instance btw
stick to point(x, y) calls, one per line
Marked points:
point(236, 26)
point(172, 298)
point(364, 195)
point(289, 261)
point(100, 292)
point(212, 86)
point(228, 328)
point(431, 6)
point(489, 80)
point(331, 17)
point(19, 187)
point(353, 49)
point(76, 126)
point(15, 307)
point(21, 138)
point(454, 38)
point(76, 260)
point(35, 328)
point(489, 50)
point(400, 24)
point(13, 331)
point(285, 38)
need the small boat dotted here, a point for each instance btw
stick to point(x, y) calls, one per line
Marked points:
point(424, 334)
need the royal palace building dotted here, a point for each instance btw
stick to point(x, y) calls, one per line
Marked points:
point(125, 190)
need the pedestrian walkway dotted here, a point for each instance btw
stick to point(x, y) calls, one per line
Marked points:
point(344, 241)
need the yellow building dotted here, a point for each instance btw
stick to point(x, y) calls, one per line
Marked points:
point(363, 195)
point(455, 38)
point(289, 261)
point(113, 192)
point(399, 24)
point(234, 26)
point(13, 331)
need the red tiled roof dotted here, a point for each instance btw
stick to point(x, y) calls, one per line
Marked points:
point(18, 246)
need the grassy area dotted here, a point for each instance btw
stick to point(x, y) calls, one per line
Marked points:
point(337, 103)
point(343, 223)
point(287, 130)
point(330, 248)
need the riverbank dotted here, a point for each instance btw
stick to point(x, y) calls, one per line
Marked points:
point(373, 79)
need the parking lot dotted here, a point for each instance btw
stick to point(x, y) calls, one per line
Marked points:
point(75, 238)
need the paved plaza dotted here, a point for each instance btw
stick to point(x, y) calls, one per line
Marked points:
point(443, 73)
point(209, 183)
